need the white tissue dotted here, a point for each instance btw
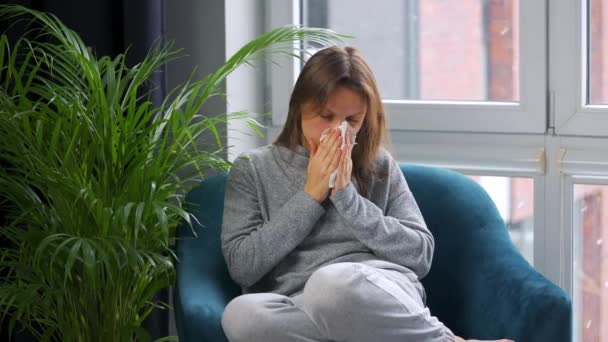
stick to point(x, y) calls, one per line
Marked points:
point(345, 128)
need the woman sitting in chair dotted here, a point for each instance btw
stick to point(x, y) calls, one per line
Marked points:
point(322, 234)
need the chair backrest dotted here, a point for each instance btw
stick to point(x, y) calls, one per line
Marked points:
point(201, 242)
point(200, 268)
point(479, 284)
point(468, 230)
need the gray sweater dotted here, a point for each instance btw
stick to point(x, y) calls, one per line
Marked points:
point(274, 235)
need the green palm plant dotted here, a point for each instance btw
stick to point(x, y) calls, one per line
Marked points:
point(93, 176)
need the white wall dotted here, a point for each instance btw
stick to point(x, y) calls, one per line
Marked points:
point(245, 87)
point(198, 27)
point(210, 32)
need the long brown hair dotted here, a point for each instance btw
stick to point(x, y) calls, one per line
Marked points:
point(325, 71)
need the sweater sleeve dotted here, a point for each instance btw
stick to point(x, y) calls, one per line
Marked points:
point(251, 245)
point(400, 234)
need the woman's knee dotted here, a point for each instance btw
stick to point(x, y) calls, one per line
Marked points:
point(244, 318)
point(335, 287)
point(233, 318)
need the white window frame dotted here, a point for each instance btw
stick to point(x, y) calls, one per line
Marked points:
point(282, 77)
point(579, 166)
point(568, 75)
point(526, 116)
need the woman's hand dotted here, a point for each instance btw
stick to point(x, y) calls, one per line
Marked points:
point(345, 167)
point(324, 159)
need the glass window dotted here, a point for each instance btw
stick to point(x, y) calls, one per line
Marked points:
point(434, 49)
point(597, 79)
point(514, 198)
point(591, 262)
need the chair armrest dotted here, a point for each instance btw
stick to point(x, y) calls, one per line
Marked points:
point(479, 284)
point(511, 299)
point(203, 290)
point(204, 286)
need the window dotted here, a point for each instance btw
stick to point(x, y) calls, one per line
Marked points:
point(597, 40)
point(585, 199)
point(579, 71)
point(590, 218)
point(441, 65)
point(432, 50)
point(514, 199)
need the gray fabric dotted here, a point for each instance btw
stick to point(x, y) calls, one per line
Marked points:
point(274, 236)
point(340, 302)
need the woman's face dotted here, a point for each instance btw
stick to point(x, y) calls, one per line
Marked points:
point(342, 104)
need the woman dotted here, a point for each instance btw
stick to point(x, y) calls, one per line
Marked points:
point(319, 263)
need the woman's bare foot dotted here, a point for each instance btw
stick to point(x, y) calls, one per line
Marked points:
point(460, 339)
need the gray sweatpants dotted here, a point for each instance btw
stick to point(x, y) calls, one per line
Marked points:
point(368, 301)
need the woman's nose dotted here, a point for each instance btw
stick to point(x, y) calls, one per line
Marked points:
point(337, 122)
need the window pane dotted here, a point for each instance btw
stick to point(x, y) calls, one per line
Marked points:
point(514, 198)
point(591, 262)
point(598, 52)
point(433, 49)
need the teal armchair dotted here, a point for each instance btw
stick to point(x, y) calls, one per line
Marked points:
point(479, 284)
